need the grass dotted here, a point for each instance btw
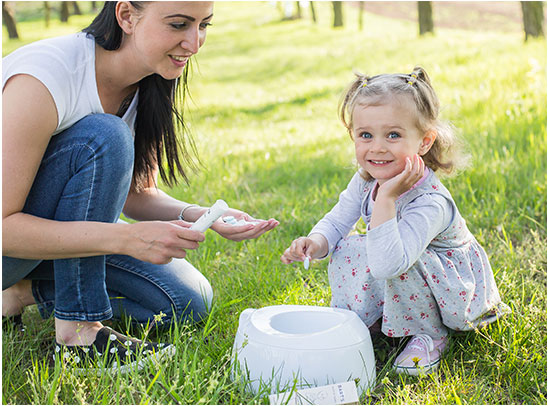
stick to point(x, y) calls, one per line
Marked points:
point(265, 122)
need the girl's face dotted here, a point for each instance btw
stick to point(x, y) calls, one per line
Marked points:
point(164, 35)
point(386, 134)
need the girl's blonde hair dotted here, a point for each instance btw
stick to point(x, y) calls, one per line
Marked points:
point(445, 153)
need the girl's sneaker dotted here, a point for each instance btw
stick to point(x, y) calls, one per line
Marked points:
point(420, 356)
point(112, 352)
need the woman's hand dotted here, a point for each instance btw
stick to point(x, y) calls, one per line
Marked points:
point(401, 183)
point(158, 242)
point(243, 232)
point(314, 246)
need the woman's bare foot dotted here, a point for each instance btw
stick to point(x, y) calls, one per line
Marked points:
point(71, 333)
point(16, 298)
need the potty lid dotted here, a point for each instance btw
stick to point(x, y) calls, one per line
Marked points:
point(303, 327)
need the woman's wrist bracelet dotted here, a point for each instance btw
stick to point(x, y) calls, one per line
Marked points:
point(182, 214)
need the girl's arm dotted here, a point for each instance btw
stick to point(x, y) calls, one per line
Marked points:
point(384, 208)
point(394, 246)
point(29, 118)
point(343, 216)
point(331, 228)
point(314, 246)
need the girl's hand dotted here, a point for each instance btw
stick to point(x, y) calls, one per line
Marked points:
point(401, 183)
point(158, 242)
point(246, 231)
point(301, 248)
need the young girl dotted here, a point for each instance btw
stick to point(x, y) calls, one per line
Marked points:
point(418, 267)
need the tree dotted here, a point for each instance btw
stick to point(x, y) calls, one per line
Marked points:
point(47, 12)
point(8, 17)
point(64, 12)
point(313, 11)
point(360, 16)
point(298, 13)
point(533, 18)
point(290, 10)
point(337, 14)
point(76, 8)
point(426, 22)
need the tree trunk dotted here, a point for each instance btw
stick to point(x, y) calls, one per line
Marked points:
point(8, 17)
point(360, 16)
point(313, 11)
point(76, 8)
point(299, 13)
point(337, 14)
point(47, 12)
point(64, 12)
point(426, 23)
point(533, 18)
point(94, 6)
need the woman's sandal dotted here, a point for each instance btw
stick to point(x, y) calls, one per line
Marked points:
point(112, 352)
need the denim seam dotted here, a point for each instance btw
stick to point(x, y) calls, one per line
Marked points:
point(41, 303)
point(83, 316)
point(49, 158)
point(174, 305)
point(94, 152)
point(91, 184)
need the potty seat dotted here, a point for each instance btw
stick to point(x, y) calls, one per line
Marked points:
point(304, 346)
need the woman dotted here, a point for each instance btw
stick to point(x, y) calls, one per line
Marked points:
point(88, 121)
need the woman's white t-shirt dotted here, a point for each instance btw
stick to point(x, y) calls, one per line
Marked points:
point(66, 66)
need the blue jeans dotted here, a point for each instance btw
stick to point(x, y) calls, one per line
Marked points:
point(85, 175)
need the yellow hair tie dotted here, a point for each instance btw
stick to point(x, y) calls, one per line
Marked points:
point(412, 80)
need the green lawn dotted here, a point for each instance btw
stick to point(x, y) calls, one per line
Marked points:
point(264, 115)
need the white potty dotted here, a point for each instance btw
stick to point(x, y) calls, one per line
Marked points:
point(316, 345)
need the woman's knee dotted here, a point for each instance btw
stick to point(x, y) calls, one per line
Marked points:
point(194, 294)
point(111, 139)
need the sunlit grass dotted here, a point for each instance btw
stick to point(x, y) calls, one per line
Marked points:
point(264, 116)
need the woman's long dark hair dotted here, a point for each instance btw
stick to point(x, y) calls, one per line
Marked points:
point(158, 120)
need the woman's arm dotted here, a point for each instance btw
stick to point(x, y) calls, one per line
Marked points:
point(29, 118)
point(154, 204)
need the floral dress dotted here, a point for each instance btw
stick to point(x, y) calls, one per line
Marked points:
point(422, 271)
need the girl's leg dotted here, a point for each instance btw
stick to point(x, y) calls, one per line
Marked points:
point(410, 307)
point(84, 176)
point(352, 286)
